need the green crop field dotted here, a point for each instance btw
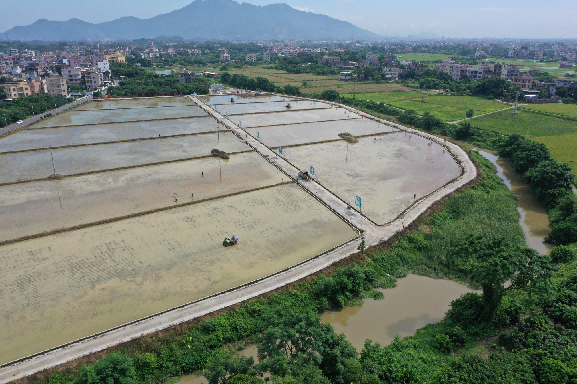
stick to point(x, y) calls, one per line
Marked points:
point(389, 97)
point(422, 57)
point(450, 108)
point(569, 110)
point(317, 84)
point(563, 148)
point(525, 123)
point(527, 65)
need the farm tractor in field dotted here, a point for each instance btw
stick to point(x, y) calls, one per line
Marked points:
point(229, 241)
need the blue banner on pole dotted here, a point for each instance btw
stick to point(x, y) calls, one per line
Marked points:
point(258, 135)
point(358, 201)
point(280, 150)
point(312, 171)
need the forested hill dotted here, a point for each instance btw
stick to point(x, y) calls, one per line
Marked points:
point(202, 20)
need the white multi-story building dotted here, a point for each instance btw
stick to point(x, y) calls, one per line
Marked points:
point(251, 57)
point(103, 66)
point(266, 56)
point(224, 57)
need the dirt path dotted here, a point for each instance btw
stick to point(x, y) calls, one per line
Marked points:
point(484, 114)
point(372, 234)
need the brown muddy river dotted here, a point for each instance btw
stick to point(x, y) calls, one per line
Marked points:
point(534, 218)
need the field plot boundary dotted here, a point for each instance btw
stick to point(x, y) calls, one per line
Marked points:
point(304, 122)
point(400, 128)
point(110, 142)
point(269, 112)
point(121, 168)
point(329, 141)
point(372, 233)
point(138, 214)
point(116, 122)
point(4, 378)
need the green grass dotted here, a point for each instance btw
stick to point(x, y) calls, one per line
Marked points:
point(569, 110)
point(450, 108)
point(562, 148)
point(423, 57)
point(527, 65)
point(525, 123)
point(388, 97)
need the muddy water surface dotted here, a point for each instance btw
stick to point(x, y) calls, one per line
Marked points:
point(88, 134)
point(415, 302)
point(225, 99)
point(82, 117)
point(69, 161)
point(314, 132)
point(32, 208)
point(239, 109)
point(534, 217)
point(63, 287)
point(385, 171)
point(266, 119)
point(138, 103)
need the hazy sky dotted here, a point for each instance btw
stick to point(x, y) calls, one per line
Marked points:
point(452, 18)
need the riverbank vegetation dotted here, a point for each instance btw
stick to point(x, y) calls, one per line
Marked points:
point(473, 237)
point(521, 332)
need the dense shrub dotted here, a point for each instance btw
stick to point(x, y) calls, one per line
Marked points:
point(562, 254)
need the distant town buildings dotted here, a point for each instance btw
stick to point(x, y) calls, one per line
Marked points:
point(186, 76)
point(56, 86)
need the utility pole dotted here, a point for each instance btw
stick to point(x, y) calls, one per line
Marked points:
point(516, 102)
point(52, 156)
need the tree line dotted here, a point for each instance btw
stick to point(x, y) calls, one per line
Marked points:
point(24, 107)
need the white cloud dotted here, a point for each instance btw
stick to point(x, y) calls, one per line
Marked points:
point(305, 9)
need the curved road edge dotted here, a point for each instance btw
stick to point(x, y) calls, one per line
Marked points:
point(372, 234)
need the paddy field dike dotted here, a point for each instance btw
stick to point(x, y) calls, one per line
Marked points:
point(117, 210)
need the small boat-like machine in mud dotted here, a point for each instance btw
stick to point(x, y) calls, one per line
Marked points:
point(230, 241)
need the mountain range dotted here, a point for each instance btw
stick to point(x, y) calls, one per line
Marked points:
point(201, 20)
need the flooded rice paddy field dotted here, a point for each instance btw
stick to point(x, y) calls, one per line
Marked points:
point(384, 171)
point(68, 161)
point(415, 302)
point(217, 100)
point(249, 108)
point(295, 134)
point(89, 134)
point(32, 208)
point(138, 103)
point(59, 288)
point(297, 117)
point(84, 117)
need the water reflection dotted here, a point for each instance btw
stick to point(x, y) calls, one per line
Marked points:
point(534, 218)
point(414, 303)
